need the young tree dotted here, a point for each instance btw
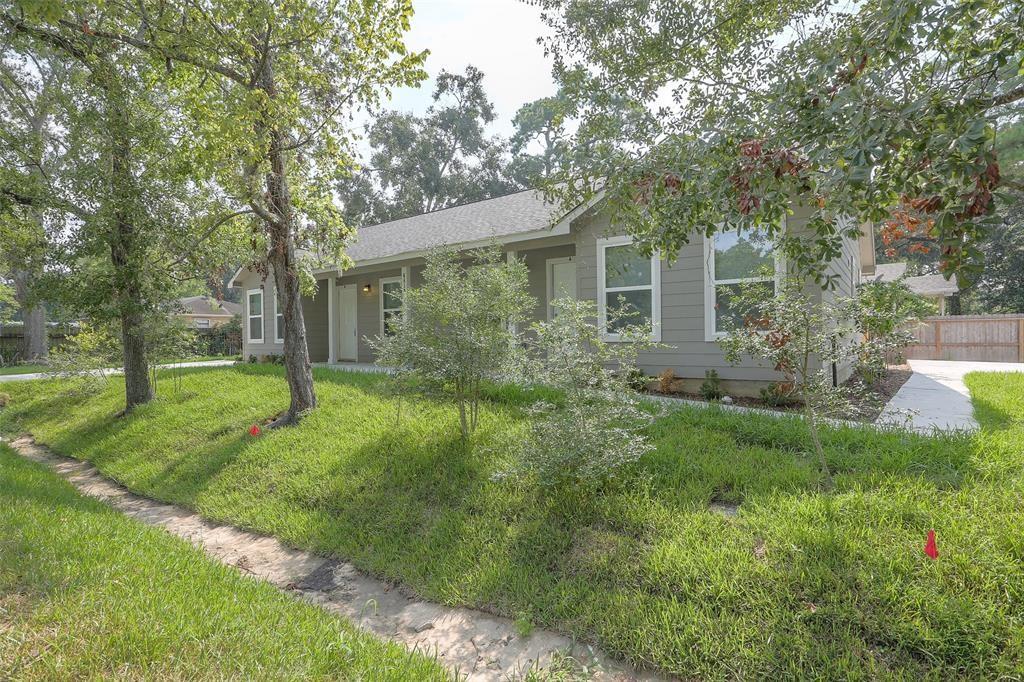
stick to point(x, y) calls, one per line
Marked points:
point(883, 111)
point(598, 426)
point(443, 158)
point(266, 88)
point(458, 327)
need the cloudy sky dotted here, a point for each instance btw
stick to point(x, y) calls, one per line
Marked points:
point(497, 36)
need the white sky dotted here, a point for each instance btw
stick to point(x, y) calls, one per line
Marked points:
point(499, 37)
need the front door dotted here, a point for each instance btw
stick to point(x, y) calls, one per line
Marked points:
point(561, 281)
point(347, 340)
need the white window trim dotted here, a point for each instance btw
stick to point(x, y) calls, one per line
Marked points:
point(549, 276)
point(380, 285)
point(250, 315)
point(278, 332)
point(605, 243)
point(711, 333)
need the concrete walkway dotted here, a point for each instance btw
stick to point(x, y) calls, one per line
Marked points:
point(472, 644)
point(119, 370)
point(935, 396)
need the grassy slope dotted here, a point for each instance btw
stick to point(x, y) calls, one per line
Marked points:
point(86, 592)
point(800, 583)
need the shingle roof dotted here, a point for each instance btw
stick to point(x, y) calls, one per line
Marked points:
point(205, 305)
point(924, 285)
point(503, 216)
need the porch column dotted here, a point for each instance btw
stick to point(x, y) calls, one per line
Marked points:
point(331, 357)
point(510, 257)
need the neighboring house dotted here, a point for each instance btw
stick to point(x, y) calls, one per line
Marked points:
point(935, 288)
point(205, 312)
point(576, 253)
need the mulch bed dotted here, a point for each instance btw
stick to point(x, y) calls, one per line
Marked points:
point(867, 403)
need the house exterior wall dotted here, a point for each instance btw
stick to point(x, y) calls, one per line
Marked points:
point(686, 349)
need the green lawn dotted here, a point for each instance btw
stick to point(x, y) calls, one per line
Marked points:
point(21, 369)
point(799, 584)
point(87, 593)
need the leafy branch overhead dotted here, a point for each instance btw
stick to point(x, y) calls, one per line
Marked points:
point(884, 111)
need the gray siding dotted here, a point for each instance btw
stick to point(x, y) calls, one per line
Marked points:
point(536, 262)
point(314, 313)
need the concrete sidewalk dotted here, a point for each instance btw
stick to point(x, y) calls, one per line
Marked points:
point(935, 396)
point(118, 370)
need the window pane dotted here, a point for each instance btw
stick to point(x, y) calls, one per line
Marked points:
point(256, 328)
point(280, 325)
point(392, 294)
point(625, 308)
point(391, 318)
point(747, 255)
point(256, 304)
point(729, 313)
point(624, 266)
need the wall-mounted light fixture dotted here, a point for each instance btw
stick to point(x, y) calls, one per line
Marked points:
point(366, 288)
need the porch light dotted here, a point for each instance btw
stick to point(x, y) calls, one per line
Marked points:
point(366, 288)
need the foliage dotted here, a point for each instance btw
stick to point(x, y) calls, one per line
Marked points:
point(539, 125)
point(422, 164)
point(458, 327)
point(778, 394)
point(884, 313)
point(798, 566)
point(598, 429)
point(800, 336)
point(881, 111)
point(85, 355)
point(999, 289)
point(666, 378)
point(711, 387)
point(171, 613)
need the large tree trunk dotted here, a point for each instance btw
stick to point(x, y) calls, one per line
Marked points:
point(36, 345)
point(297, 367)
point(126, 255)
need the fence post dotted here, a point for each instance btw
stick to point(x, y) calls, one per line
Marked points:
point(938, 340)
point(1020, 340)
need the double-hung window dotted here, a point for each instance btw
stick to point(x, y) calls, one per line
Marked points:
point(391, 296)
point(733, 260)
point(278, 319)
point(628, 288)
point(255, 309)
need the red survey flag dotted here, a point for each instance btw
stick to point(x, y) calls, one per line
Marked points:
point(254, 430)
point(930, 548)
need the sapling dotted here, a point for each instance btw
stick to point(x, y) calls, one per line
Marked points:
point(458, 329)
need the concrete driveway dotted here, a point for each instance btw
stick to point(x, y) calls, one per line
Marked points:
point(935, 396)
point(118, 370)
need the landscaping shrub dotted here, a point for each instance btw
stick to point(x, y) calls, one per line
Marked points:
point(599, 428)
point(711, 387)
point(665, 380)
point(459, 327)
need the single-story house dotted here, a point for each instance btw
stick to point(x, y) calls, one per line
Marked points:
point(576, 252)
point(206, 312)
point(935, 288)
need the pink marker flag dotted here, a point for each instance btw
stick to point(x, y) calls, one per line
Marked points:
point(930, 548)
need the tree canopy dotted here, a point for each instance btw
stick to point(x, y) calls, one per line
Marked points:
point(883, 111)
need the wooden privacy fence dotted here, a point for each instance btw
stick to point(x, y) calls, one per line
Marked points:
point(981, 338)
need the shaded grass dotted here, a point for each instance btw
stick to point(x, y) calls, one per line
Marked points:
point(799, 584)
point(86, 592)
point(6, 370)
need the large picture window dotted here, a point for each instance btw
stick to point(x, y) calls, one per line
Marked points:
point(732, 260)
point(255, 308)
point(629, 284)
point(390, 304)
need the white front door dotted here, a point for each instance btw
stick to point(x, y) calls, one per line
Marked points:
point(347, 340)
point(561, 280)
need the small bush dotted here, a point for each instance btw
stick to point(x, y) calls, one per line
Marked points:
point(5, 398)
point(711, 387)
point(665, 379)
point(778, 394)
